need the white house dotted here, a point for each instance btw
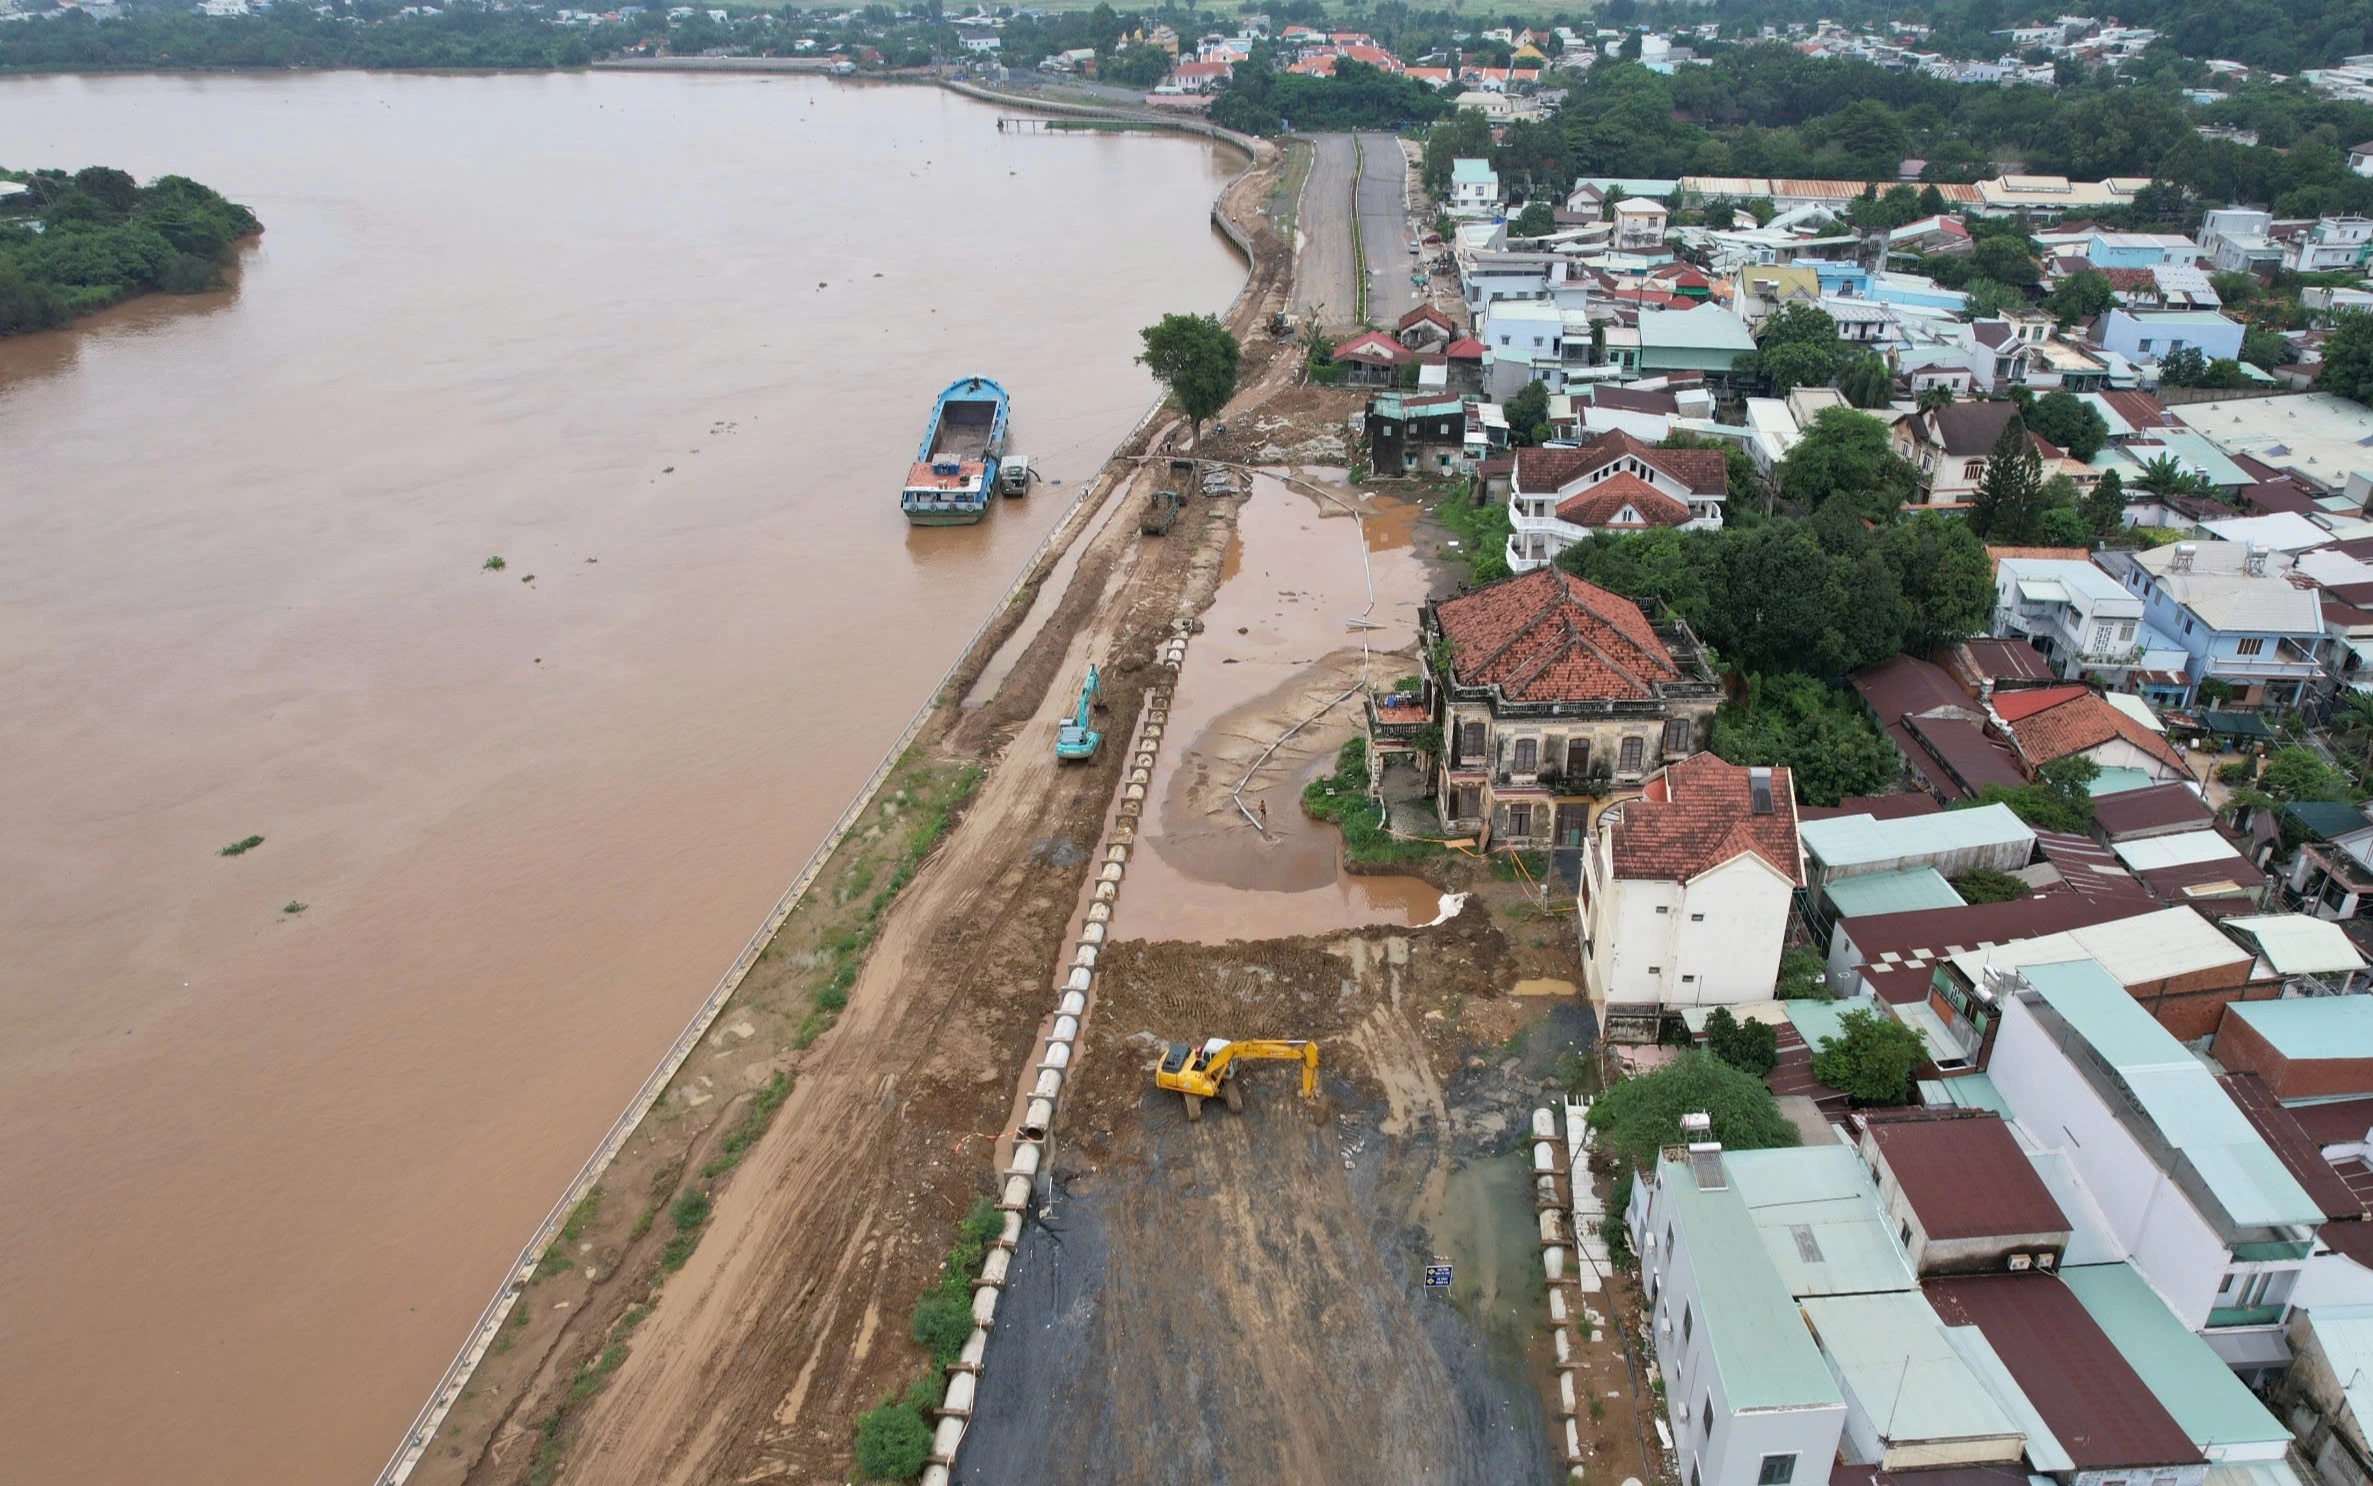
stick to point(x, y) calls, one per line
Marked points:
point(2202, 1205)
point(1474, 186)
point(1686, 890)
point(1639, 224)
point(2073, 612)
point(2153, 335)
point(1557, 497)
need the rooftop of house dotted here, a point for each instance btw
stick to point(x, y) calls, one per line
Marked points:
point(1966, 1177)
point(2060, 580)
point(2156, 807)
point(1903, 685)
point(1547, 636)
point(2298, 1151)
point(2095, 1409)
point(2090, 870)
point(1883, 807)
point(1893, 1347)
point(1964, 430)
point(2319, 436)
point(2016, 706)
point(2176, 1093)
point(2312, 1027)
point(1917, 939)
point(2083, 722)
point(1857, 840)
point(1702, 329)
point(1820, 1220)
point(1473, 172)
point(1974, 757)
point(2177, 849)
point(2212, 1406)
point(2138, 949)
point(1373, 345)
point(2344, 1334)
point(1878, 893)
point(1693, 816)
point(1766, 1358)
point(1545, 471)
point(2225, 598)
point(1602, 504)
point(2283, 531)
point(2007, 660)
point(1424, 314)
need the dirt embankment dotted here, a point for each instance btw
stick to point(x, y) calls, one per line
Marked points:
point(789, 1316)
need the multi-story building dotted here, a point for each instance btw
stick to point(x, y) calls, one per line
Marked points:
point(1615, 483)
point(2232, 609)
point(2332, 245)
point(2153, 335)
point(2076, 614)
point(1551, 692)
point(1949, 445)
point(1474, 187)
point(1686, 890)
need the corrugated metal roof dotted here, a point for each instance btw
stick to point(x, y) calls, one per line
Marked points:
point(2300, 944)
point(2313, 1026)
point(1854, 839)
point(2134, 951)
point(1759, 1344)
point(1896, 1361)
point(1821, 1222)
point(2152, 853)
point(1907, 891)
point(2044, 1452)
point(2177, 1093)
point(2187, 1377)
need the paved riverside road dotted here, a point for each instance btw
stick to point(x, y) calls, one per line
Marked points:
point(1384, 228)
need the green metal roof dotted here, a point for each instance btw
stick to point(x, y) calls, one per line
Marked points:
point(1911, 889)
point(2345, 1335)
point(1820, 1220)
point(2191, 1382)
point(1849, 840)
point(1970, 1091)
point(1902, 1369)
point(1475, 172)
point(1818, 1018)
point(2236, 724)
point(2313, 1026)
point(2326, 818)
point(2178, 1094)
point(2118, 779)
point(1759, 1344)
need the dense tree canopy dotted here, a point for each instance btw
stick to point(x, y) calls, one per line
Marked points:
point(104, 238)
point(1640, 1116)
point(1195, 357)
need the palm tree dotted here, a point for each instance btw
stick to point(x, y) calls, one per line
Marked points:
point(1934, 397)
point(2163, 476)
point(2354, 714)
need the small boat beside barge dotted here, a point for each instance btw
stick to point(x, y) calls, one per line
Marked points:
point(956, 466)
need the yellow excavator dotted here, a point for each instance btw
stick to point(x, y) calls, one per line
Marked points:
point(1203, 1071)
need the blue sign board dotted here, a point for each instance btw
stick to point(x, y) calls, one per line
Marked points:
point(1437, 1277)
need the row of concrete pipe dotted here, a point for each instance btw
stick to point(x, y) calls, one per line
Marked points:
point(1554, 1162)
point(1030, 1143)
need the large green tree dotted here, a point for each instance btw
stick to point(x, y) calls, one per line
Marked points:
point(1945, 577)
point(2009, 503)
point(1196, 358)
point(1845, 453)
point(1871, 1060)
point(2348, 357)
point(1751, 1047)
point(1640, 1116)
point(2071, 422)
point(1827, 743)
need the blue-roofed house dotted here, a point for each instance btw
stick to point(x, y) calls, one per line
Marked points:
point(2236, 615)
point(1474, 186)
point(2153, 335)
point(2204, 1205)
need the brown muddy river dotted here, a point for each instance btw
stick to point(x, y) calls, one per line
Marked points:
point(665, 344)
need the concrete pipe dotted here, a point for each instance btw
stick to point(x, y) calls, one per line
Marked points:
point(1574, 1441)
point(1553, 1264)
point(984, 1309)
point(1099, 913)
point(1145, 758)
point(1565, 1393)
point(1041, 1114)
point(1544, 1156)
point(1112, 870)
point(1066, 1029)
point(1084, 957)
point(1058, 1055)
point(1073, 1004)
point(1092, 933)
point(1107, 891)
point(1136, 792)
point(1025, 1159)
point(1552, 1228)
point(1562, 1345)
point(1116, 853)
point(962, 1389)
point(1141, 776)
point(976, 1346)
point(950, 1434)
point(1557, 1306)
point(993, 1268)
point(1152, 731)
point(1017, 1194)
point(1544, 1125)
point(1125, 833)
point(937, 1475)
point(1545, 1191)
point(1050, 1084)
point(1078, 981)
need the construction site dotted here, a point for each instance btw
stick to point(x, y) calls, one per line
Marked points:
point(1016, 932)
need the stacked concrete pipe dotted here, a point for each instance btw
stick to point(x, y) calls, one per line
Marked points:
point(1572, 1256)
point(1053, 1066)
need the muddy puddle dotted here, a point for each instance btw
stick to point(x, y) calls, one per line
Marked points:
point(1309, 609)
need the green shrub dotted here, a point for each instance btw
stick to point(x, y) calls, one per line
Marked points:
point(943, 1323)
point(892, 1442)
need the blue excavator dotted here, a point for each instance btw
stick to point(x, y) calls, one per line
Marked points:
point(1075, 739)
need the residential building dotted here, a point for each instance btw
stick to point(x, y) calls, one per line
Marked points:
point(2077, 615)
point(1938, 728)
point(2172, 964)
point(1966, 1197)
point(1425, 329)
point(1474, 187)
point(2239, 240)
point(2327, 1392)
point(1954, 842)
point(1428, 432)
point(1707, 340)
point(1685, 890)
point(1556, 691)
point(2332, 245)
point(1949, 445)
point(2208, 1403)
point(2139, 249)
point(2236, 617)
point(2153, 335)
point(1373, 359)
point(2205, 1209)
point(1558, 497)
point(1524, 342)
point(1895, 956)
point(1639, 224)
point(2305, 1047)
point(2054, 722)
point(2331, 875)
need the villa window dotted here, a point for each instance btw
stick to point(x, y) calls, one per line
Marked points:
point(1520, 820)
point(2252, 646)
point(1470, 741)
point(1633, 747)
point(1676, 735)
point(1528, 756)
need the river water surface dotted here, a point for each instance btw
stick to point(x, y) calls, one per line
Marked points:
point(665, 345)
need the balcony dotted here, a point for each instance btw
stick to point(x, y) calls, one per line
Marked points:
point(1395, 721)
point(2245, 1315)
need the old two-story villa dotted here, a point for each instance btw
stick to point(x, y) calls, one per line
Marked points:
point(1614, 484)
point(1556, 692)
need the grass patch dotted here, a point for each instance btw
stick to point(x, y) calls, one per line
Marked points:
point(554, 1262)
point(544, 1467)
point(894, 1437)
point(750, 1126)
point(689, 1213)
point(592, 1375)
point(581, 1216)
point(1342, 800)
point(1482, 532)
point(292, 907)
point(914, 818)
point(493, 565)
point(643, 1222)
point(241, 847)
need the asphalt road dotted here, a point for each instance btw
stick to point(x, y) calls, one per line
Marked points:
point(1384, 228)
point(1324, 287)
point(1323, 277)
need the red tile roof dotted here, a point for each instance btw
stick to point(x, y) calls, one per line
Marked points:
point(1425, 314)
point(2081, 722)
point(1550, 637)
point(1465, 348)
point(1699, 471)
point(2104, 1416)
point(2015, 706)
point(1699, 813)
point(1965, 1176)
point(1879, 807)
point(1372, 345)
point(1599, 505)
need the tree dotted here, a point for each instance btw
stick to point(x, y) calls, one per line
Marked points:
point(1528, 414)
point(2081, 295)
point(1798, 347)
point(1827, 745)
point(1866, 382)
point(2071, 422)
point(2004, 259)
point(2182, 367)
point(2264, 348)
point(2009, 500)
point(1641, 1116)
point(2060, 799)
point(1750, 1047)
point(1196, 358)
point(1871, 1060)
point(1936, 395)
point(1538, 219)
point(2297, 773)
point(2348, 357)
point(892, 1442)
point(1804, 975)
point(1946, 578)
point(1986, 885)
point(2104, 506)
point(1986, 298)
point(1845, 452)
point(2163, 475)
